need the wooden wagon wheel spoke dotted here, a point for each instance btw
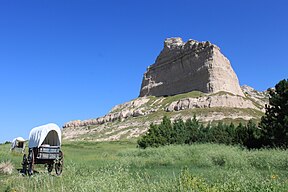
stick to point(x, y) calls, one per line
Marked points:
point(30, 162)
point(59, 164)
point(24, 164)
point(50, 168)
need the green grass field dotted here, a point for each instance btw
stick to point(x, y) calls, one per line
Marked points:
point(120, 166)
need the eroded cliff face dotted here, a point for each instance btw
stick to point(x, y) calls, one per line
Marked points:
point(187, 66)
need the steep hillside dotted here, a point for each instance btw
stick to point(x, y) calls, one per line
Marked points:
point(133, 118)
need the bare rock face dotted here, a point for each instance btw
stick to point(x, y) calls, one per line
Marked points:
point(261, 98)
point(230, 101)
point(118, 113)
point(186, 66)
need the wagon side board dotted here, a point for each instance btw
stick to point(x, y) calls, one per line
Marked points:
point(45, 154)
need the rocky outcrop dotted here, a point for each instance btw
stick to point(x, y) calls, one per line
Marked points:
point(261, 98)
point(118, 113)
point(144, 106)
point(230, 101)
point(186, 66)
point(133, 118)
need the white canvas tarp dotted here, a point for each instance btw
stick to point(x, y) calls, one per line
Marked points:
point(18, 142)
point(49, 134)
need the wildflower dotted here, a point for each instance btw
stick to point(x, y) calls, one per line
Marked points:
point(274, 176)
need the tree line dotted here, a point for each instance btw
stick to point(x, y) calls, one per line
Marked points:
point(272, 131)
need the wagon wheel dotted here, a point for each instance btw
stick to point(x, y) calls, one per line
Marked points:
point(50, 167)
point(24, 164)
point(30, 162)
point(59, 164)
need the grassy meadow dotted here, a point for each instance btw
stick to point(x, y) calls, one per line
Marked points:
point(120, 166)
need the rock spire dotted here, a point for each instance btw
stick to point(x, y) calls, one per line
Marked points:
point(186, 66)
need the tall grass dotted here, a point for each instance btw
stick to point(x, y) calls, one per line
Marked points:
point(119, 166)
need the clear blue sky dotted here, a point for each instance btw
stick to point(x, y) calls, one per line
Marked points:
point(63, 60)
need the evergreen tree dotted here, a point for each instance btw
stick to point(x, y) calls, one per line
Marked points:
point(165, 131)
point(179, 133)
point(152, 138)
point(206, 134)
point(274, 124)
point(192, 127)
point(219, 133)
point(253, 136)
point(202, 133)
point(230, 129)
point(157, 135)
point(241, 134)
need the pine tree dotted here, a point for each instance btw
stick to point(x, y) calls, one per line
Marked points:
point(230, 129)
point(179, 133)
point(274, 124)
point(241, 134)
point(192, 127)
point(253, 136)
point(219, 133)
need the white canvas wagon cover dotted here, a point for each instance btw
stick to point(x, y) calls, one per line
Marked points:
point(49, 134)
point(16, 141)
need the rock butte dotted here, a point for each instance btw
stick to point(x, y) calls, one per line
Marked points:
point(183, 67)
point(180, 68)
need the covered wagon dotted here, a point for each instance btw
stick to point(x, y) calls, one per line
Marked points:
point(44, 148)
point(18, 145)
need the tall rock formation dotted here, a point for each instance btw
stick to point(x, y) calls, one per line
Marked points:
point(183, 67)
point(180, 68)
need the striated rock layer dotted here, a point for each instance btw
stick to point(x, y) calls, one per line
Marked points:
point(133, 118)
point(145, 106)
point(183, 67)
point(230, 101)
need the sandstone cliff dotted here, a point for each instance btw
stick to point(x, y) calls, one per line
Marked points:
point(183, 67)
